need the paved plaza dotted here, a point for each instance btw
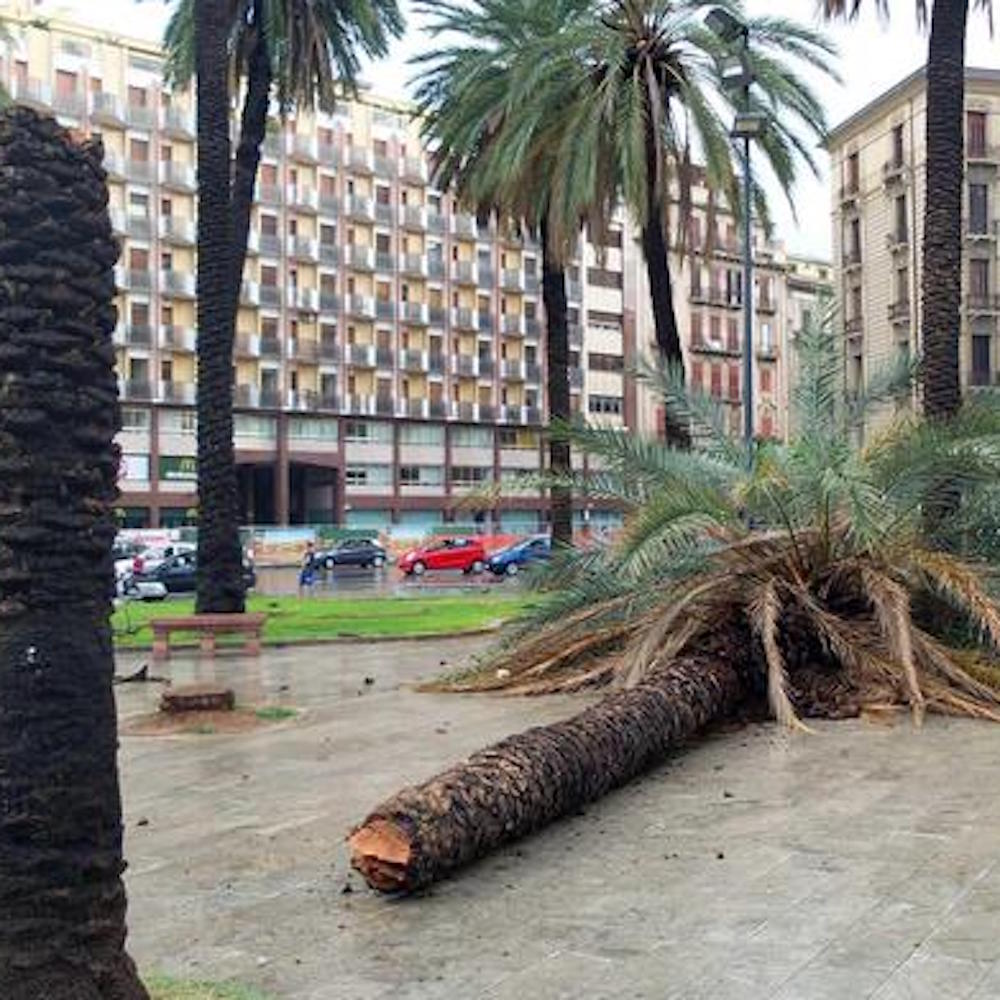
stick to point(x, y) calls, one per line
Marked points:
point(862, 861)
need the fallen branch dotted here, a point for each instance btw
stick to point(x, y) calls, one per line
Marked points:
point(526, 781)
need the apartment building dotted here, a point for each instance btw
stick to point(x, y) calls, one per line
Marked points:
point(879, 191)
point(389, 353)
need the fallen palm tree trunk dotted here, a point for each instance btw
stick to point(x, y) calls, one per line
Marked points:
point(526, 781)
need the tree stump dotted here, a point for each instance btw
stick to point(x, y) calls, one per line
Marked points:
point(198, 698)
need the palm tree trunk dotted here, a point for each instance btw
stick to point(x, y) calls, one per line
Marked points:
point(557, 360)
point(62, 900)
point(942, 249)
point(526, 781)
point(220, 561)
point(253, 129)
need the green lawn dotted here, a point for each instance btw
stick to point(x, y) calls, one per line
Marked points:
point(167, 988)
point(294, 618)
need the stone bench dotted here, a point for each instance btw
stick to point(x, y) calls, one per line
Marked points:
point(208, 627)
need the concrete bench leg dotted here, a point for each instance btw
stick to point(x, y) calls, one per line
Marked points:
point(252, 647)
point(208, 643)
point(161, 646)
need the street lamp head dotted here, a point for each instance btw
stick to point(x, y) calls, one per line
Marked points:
point(725, 25)
point(749, 125)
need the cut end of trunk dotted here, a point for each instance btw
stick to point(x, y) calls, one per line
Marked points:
point(382, 853)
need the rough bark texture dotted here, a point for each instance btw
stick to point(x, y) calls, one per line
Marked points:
point(557, 360)
point(253, 130)
point(220, 558)
point(62, 901)
point(533, 778)
point(942, 249)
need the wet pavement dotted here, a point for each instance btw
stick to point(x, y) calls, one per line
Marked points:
point(862, 861)
point(350, 581)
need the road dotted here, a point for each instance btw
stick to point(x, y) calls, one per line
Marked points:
point(389, 581)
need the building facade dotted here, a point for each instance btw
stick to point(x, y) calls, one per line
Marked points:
point(389, 354)
point(878, 159)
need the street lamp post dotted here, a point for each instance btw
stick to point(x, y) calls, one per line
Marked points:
point(748, 125)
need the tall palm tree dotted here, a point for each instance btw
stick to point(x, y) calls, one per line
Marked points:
point(493, 111)
point(658, 118)
point(62, 934)
point(941, 254)
point(293, 51)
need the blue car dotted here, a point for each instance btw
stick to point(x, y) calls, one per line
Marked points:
point(510, 561)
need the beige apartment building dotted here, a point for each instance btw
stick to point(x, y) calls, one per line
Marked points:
point(879, 192)
point(390, 352)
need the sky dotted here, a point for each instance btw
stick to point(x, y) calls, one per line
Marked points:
point(873, 55)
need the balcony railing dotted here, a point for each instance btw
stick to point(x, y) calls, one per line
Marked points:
point(465, 226)
point(174, 229)
point(485, 321)
point(513, 324)
point(303, 197)
point(329, 302)
point(435, 268)
point(899, 311)
point(305, 299)
point(363, 405)
point(512, 370)
point(329, 402)
point(137, 390)
point(139, 335)
point(359, 159)
point(298, 349)
point(413, 265)
point(134, 279)
point(576, 378)
point(485, 277)
point(329, 253)
point(384, 261)
point(72, 103)
point(385, 309)
point(142, 171)
point(487, 366)
point(361, 355)
point(269, 244)
point(140, 116)
point(414, 313)
point(436, 315)
point(361, 306)
point(385, 166)
point(268, 194)
point(464, 319)
point(270, 295)
point(532, 327)
point(981, 302)
point(575, 334)
point(435, 363)
point(247, 345)
point(329, 204)
point(413, 360)
point(385, 215)
point(413, 169)
point(385, 404)
point(303, 248)
point(179, 123)
point(178, 338)
point(531, 284)
point(106, 109)
point(414, 217)
point(464, 272)
point(179, 176)
point(329, 349)
point(512, 281)
point(270, 346)
point(359, 258)
point(466, 365)
point(301, 400)
point(305, 149)
point(435, 221)
point(361, 209)
point(138, 225)
point(532, 372)
point(177, 392)
point(574, 291)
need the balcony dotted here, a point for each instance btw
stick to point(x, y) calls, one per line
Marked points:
point(273, 144)
point(301, 400)
point(767, 351)
point(329, 253)
point(766, 305)
point(138, 335)
point(435, 268)
point(180, 339)
point(465, 226)
point(487, 366)
point(849, 193)
point(575, 334)
point(512, 281)
point(359, 160)
point(140, 116)
point(414, 218)
point(978, 230)
point(178, 123)
point(133, 280)
point(329, 301)
point(137, 390)
point(303, 299)
point(385, 310)
point(138, 226)
point(140, 171)
point(177, 392)
point(436, 315)
point(532, 328)
point(574, 290)
point(329, 402)
point(250, 293)
point(247, 345)
point(413, 169)
point(982, 302)
point(32, 92)
point(897, 241)
point(531, 415)
point(464, 272)
point(178, 231)
point(438, 409)
point(384, 166)
point(328, 154)
point(106, 109)
point(899, 311)
point(361, 405)
point(385, 215)
point(303, 248)
point(435, 221)
point(268, 194)
point(893, 172)
point(361, 306)
point(329, 203)
point(114, 165)
point(246, 396)
point(532, 372)
point(531, 284)
point(385, 358)
point(414, 313)
point(302, 197)
point(178, 176)
point(270, 346)
point(464, 319)
point(270, 295)
point(466, 412)
point(359, 258)
point(304, 149)
point(465, 365)
point(384, 262)
point(510, 414)
point(485, 322)
point(852, 259)
point(853, 326)
point(359, 209)
point(329, 350)
point(73, 103)
point(576, 378)
point(385, 405)
point(513, 371)
point(413, 265)
point(980, 153)
point(413, 361)
point(435, 363)
point(512, 325)
point(269, 244)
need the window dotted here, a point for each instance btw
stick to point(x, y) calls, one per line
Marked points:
point(978, 221)
point(696, 336)
point(470, 475)
point(421, 475)
point(767, 424)
point(715, 385)
point(179, 421)
point(732, 334)
point(251, 425)
point(853, 173)
point(900, 230)
point(603, 278)
point(854, 243)
point(605, 362)
point(135, 420)
point(980, 359)
point(138, 97)
point(979, 277)
point(734, 382)
point(472, 437)
point(697, 375)
point(897, 146)
point(766, 379)
point(312, 429)
point(368, 475)
point(521, 440)
point(368, 432)
point(605, 404)
point(975, 133)
point(421, 434)
point(902, 284)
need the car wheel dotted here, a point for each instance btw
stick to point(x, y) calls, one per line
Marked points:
point(378, 562)
point(512, 569)
point(477, 566)
point(419, 569)
point(330, 563)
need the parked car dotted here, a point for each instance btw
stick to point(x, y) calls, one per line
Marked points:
point(522, 555)
point(466, 554)
point(178, 574)
point(124, 554)
point(352, 552)
point(153, 557)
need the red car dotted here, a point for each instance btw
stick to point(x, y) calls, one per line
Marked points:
point(465, 554)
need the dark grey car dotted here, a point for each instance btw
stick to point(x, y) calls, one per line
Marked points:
point(352, 552)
